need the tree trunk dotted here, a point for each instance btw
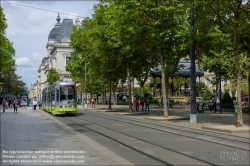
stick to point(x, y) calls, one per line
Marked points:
point(129, 86)
point(105, 97)
point(142, 89)
point(249, 90)
point(239, 121)
point(163, 85)
point(167, 90)
point(109, 107)
point(114, 96)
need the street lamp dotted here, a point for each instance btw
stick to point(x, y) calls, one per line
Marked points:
point(85, 105)
point(249, 75)
point(193, 116)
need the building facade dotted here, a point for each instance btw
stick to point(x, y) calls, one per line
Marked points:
point(58, 53)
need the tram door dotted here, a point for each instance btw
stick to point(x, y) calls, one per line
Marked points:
point(57, 96)
point(49, 104)
point(53, 100)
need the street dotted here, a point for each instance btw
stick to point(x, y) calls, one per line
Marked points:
point(152, 143)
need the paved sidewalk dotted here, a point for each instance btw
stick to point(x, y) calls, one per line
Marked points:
point(37, 138)
point(211, 122)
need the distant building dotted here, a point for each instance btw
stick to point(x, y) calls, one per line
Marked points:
point(58, 53)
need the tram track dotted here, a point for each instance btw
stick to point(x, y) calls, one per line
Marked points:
point(201, 161)
point(177, 127)
point(83, 123)
point(135, 122)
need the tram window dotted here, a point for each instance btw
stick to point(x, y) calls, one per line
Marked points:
point(57, 95)
point(52, 96)
point(67, 92)
point(49, 97)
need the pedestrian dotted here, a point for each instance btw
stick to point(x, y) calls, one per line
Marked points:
point(15, 105)
point(40, 103)
point(12, 101)
point(3, 105)
point(147, 104)
point(211, 104)
point(136, 103)
point(201, 105)
point(9, 103)
point(161, 103)
point(215, 104)
point(34, 104)
point(142, 102)
point(93, 103)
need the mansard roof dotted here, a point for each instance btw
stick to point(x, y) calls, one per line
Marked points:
point(61, 30)
point(44, 60)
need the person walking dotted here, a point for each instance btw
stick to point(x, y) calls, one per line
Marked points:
point(9, 103)
point(12, 101)
point(147, 104)
point(142, 102)
point(215, 104)
point(34, 104)
point(211, 105)
point(4, 105)
point(40, 103)
point(136, 103)
point(93, 103)
point(15, 105)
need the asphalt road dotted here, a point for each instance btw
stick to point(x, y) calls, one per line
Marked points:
point(144, 142)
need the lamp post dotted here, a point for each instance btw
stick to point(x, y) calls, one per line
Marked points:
point(5, 95)
point(249, 75)
point(85, 105)
point(220, 95)
point(193, 115)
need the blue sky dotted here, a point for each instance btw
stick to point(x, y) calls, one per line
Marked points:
point(29, 24)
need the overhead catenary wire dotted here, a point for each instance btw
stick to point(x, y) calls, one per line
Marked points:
point(43, 9)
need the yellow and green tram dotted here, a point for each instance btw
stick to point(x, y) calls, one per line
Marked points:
point(60, 98)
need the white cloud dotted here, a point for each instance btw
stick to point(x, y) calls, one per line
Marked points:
point(22, 61)
point(37, 57)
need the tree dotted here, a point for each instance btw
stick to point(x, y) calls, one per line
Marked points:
point(231, 18)
point(53, 76)
point(6, 50)
point(168, 28)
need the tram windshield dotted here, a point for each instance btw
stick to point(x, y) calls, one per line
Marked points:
point(67, 93)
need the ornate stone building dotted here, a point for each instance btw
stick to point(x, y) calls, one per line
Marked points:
point(58, 53)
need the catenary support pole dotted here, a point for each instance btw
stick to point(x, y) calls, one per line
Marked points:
point(220, 94)
point(86, 98)
point(193, 116)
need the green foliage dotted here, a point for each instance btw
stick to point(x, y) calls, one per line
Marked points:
point(154, 101)
point(6, 50)
point(53, 76)
point(207, 95)
point(245, 89)
point(226, 98)
point(13, 83)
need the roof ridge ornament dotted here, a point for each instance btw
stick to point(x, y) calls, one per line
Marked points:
point(58, 20)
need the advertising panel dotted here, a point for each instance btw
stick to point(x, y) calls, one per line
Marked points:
point(23, 99)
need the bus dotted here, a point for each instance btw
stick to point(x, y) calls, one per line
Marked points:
point(60, 98)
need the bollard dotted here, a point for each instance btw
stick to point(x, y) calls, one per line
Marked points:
point(235, 108)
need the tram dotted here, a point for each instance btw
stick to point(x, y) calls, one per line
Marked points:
point(60, 98)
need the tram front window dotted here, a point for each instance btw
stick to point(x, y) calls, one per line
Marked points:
point(67, 93)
